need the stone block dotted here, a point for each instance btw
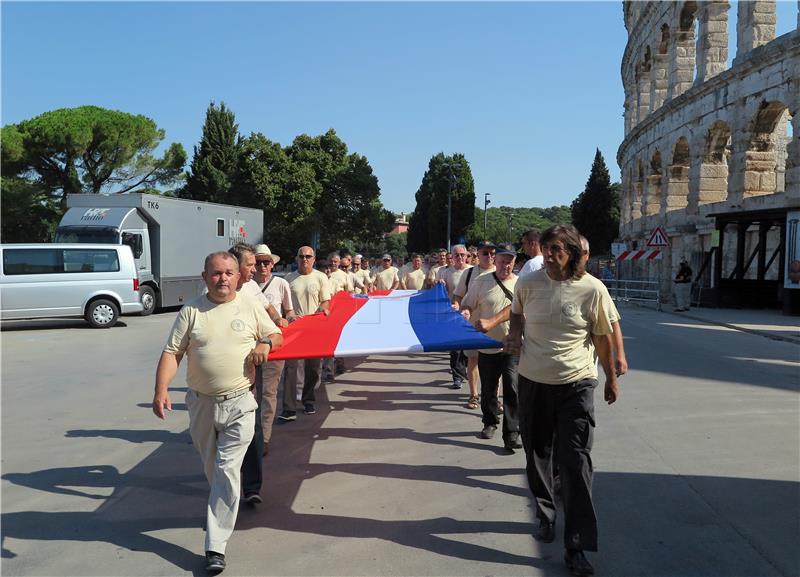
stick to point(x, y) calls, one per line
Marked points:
point(709, 171)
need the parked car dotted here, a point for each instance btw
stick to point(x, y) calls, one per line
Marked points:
point(95, 281)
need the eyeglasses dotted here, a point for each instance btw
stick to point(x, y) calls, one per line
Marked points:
point(387, 260)
point(485, 253)
point(263, 262)
point(553, 249)
point(305, 256)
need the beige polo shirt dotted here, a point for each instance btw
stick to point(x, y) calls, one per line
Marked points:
point(451, 278)
point(340, 281)
point(560, 319)
point(413, 279)
point(385, 278)
point(461, 288)
point(485, 299)
point(217, 338)
point(308, 291)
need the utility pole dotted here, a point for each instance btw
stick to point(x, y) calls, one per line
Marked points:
point(451, 186)
point(486, 202)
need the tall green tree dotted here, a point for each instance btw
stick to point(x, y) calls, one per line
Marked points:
point(595, 212)
point(89, 150)
point(446, 177)
point(215, 161)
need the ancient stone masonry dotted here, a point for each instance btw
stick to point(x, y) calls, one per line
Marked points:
point(702, 137)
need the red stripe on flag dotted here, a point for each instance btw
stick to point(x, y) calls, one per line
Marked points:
point(316, 336)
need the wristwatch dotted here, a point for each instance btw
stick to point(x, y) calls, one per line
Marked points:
point(266, 341)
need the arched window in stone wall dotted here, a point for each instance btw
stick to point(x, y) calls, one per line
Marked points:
point(682, 58)
point(654, 181)
point(678, 177)
point(660, 71)
point(765, 158)
point(712, 40)
point(713, 186)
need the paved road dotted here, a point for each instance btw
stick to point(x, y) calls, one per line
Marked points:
point(697, 468)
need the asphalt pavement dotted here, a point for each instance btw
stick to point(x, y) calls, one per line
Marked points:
point(697, 468)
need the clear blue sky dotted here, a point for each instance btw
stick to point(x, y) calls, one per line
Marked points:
point(525, 90)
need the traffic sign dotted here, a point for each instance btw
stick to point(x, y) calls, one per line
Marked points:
point(618, 248)
point(658, 238)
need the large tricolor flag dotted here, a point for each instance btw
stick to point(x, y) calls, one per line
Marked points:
point(385, 322)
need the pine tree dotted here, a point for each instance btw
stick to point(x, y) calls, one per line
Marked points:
point(214, 163)
point(595, 212)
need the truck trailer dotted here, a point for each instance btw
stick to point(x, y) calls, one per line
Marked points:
point(170, 237)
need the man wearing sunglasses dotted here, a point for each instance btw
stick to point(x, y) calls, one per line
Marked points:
point(311, 293)
point(450, 277)
point(565, 316)
point(276, 290)
point(485, 265)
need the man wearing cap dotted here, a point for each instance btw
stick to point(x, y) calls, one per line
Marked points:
point(450, 277)
point(276, 290)
point(414, 278)
point(387, 277)
point(310, 290)
point(223, 334)
point(530, 246)
point(487, 305)
point(484, 266)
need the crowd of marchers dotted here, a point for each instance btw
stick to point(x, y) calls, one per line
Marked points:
point(556, 323)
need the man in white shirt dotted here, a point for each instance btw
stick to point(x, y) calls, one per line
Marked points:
point(530, 246)
point(450, 278)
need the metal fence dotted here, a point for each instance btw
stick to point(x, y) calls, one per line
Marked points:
point(635, 291)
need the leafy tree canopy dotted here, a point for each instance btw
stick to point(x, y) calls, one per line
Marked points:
point(89, 150)
point(505, 224)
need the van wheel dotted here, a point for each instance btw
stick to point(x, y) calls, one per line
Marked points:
point(102, 314)
point(147, 296)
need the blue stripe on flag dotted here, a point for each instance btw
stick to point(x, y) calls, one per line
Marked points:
point(439, 328)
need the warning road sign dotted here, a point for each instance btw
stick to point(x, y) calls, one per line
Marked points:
point(658, 238)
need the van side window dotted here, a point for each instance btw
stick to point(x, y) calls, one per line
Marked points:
point(220, 227)
point(90, 260)
point(32, 261)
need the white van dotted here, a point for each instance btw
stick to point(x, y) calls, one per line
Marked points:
point(95, 281)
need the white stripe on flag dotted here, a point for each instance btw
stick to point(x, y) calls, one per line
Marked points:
point(380, 325)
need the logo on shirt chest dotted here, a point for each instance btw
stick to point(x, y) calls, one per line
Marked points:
point(237, 325)
point(569, 309)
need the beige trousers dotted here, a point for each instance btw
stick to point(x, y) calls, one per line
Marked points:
point(271, 372)
point(221, 431)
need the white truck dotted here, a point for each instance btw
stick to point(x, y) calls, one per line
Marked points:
point(170, 237)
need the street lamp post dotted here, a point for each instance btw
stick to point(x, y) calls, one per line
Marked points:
point(486, 202)
point(450, 187)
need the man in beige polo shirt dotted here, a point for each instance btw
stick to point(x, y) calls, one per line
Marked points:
point(484, 265)
point(386, 278)
point(450, 277)
point(413, 278)
point(311, 293)
point(224, 335)
point(487, 305)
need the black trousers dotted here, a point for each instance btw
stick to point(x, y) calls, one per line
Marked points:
point(491, 369)
point(251, 466)
point(562, 414)
point(458, 366)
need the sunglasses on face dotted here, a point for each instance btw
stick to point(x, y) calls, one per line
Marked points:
point(305, 256)
point(263, 262)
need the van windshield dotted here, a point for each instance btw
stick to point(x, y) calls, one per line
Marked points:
point(87, 234)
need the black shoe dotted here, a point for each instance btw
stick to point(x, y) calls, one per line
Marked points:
point(253, 498)
point(577, 563)
point(513, 442)
point(287, 416)
point(457, 385)
point(547, 531)
point(309, 409)
point(215, 562)
point(488, 432)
